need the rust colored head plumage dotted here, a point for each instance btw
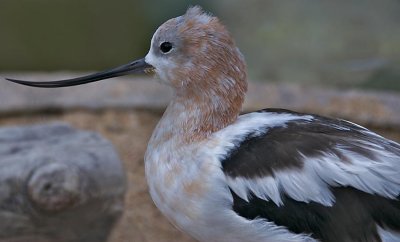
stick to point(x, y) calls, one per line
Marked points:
point(203, 54)
point(197, 56)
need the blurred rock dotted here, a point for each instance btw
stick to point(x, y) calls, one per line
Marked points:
point(374, 108)
point(58, 184)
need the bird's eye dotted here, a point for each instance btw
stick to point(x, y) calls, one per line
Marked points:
point(165, 47)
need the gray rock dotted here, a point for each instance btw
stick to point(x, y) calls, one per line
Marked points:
point(374, 108)
point(58, 184)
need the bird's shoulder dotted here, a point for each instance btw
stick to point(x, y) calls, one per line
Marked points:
point(276, 151)
point(312, 175)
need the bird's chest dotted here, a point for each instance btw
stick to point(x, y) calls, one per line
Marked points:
point(179, 180)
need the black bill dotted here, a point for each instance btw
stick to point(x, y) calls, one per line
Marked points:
point(138, 66)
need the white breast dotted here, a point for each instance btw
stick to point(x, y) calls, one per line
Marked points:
point(181, 181)
point(187, 184)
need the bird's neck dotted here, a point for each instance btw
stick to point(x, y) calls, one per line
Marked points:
point(193, 114)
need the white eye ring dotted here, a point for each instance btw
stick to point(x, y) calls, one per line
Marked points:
point(166, 47)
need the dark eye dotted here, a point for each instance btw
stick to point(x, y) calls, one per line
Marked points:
point(165, 47)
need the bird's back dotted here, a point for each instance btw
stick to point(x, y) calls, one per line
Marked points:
point(328, 178)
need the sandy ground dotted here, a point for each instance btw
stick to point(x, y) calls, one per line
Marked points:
point(129, 131)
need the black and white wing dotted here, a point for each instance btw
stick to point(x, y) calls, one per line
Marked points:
point(326, 177)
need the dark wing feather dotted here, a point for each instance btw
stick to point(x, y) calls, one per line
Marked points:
point(283, 147)
point(354, 213)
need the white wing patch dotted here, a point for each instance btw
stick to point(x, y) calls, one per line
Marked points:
point(388, 236)
point(253, 124)
point(379, 175)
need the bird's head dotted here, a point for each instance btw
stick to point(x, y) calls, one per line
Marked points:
point(193, 52)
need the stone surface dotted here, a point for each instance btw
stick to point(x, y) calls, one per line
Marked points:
point(58, 184)
point(129, 130)
point(366, 107)
point(127, 113)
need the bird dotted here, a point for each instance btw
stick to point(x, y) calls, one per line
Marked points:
point(269, 175)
